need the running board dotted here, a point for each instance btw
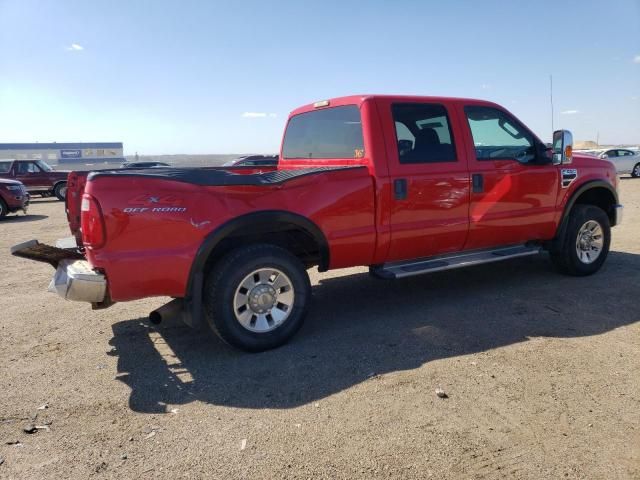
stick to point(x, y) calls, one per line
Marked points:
point(437, 264)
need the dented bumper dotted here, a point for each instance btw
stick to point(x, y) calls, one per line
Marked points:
point(76, 280)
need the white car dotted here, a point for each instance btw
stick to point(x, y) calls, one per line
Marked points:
point(626, 161)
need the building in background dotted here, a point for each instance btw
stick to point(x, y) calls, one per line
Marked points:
point(64, 152)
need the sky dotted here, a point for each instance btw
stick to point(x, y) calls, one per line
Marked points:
point(168, 77)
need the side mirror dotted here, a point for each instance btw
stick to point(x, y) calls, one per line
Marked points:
point(562, 147)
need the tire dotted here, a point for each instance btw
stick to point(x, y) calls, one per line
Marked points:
point(586, 242)
point(635, 172)
point(257, 313)
point(3, 209)
point(60, 191)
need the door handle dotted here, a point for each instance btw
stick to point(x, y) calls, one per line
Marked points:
point(400, 188)
point(477, 182)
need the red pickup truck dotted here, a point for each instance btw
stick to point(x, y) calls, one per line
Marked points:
point(405, 185)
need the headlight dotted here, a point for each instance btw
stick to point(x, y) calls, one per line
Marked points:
point(14, 188)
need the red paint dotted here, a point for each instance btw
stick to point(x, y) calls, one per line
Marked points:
point(150, 252)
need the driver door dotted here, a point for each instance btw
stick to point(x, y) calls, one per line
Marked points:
point(512, 199)
point(30, 174)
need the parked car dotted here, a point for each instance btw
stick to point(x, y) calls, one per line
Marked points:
point(476, 186)
point(144, 164)
point(13, 197)
point(626, 161)
point(253, 161)
point(37, 176)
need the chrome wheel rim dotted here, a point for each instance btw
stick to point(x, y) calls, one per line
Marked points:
point(264, 300)
point(63, 192)
point(636, 170)
point(589, 242)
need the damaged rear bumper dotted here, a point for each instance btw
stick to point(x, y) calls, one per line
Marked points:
point(74, 278)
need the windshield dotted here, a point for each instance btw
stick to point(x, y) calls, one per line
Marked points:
point(5, 166)
point(44, 166)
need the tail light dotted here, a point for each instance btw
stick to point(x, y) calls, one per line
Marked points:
point(92, 222)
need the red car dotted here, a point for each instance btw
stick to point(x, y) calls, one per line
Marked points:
point(404, 185)
point(13, 197)
point(37, 176)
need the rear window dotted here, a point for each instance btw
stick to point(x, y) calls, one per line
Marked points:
point(329, 133)
point(4, 167)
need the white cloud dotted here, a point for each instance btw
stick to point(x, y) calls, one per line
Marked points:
point(570, 112)
point(258, 115)
point(636, 59)
point(634, 98)
point(74, 47)
point(486, 86)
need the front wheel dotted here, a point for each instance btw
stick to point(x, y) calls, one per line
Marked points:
point(586, 241)
point(60, 191)
point(256, 297)
point(635, 173)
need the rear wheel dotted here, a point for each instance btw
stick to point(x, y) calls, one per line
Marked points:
point(635, 173)
point(256, 297)
point(586, 241)
point(3, 209)
point(60, 191)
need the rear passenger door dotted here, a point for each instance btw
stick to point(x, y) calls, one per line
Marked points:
point(429, 176)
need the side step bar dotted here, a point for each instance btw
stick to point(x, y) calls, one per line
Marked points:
point(437, 264)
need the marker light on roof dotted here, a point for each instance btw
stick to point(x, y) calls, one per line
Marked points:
point(323, 103)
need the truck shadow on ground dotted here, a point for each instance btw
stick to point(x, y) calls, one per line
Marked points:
point(359, 326)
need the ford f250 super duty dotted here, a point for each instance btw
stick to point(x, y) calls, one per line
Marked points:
point(404, 185)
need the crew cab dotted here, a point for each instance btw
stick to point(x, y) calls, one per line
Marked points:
point(403, 184)
point(37, 176)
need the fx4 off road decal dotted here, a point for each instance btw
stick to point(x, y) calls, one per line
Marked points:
point(155, 204)
point(569, 175)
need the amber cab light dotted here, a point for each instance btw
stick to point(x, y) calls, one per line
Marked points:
point(92, 223)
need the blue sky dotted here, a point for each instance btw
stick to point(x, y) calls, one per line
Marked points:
point(181, 76)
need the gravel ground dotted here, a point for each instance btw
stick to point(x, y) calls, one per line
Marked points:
point(541, 373)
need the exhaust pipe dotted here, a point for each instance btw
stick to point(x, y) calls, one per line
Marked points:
point(167, 311)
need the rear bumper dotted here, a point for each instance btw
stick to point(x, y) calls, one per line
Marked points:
point(76, 280)
point(618, 214)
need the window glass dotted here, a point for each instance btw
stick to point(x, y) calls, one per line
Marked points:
point(423, 133)
point(43, 166)
point(4, 167)
point(498, 135)
point(624, 153)
point(327, 133)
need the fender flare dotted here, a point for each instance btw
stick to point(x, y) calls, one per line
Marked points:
point(195, 282)
point(557, 242)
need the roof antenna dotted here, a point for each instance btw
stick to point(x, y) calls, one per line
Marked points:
point(551, 98)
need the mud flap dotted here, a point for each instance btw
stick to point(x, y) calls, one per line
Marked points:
point(39, 252)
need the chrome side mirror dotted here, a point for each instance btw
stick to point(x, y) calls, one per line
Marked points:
point(562, 147)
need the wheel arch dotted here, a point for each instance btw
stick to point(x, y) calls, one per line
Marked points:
point(594, 192)
point(290, 230)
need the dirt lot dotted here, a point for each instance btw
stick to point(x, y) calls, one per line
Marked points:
point(541, 372)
